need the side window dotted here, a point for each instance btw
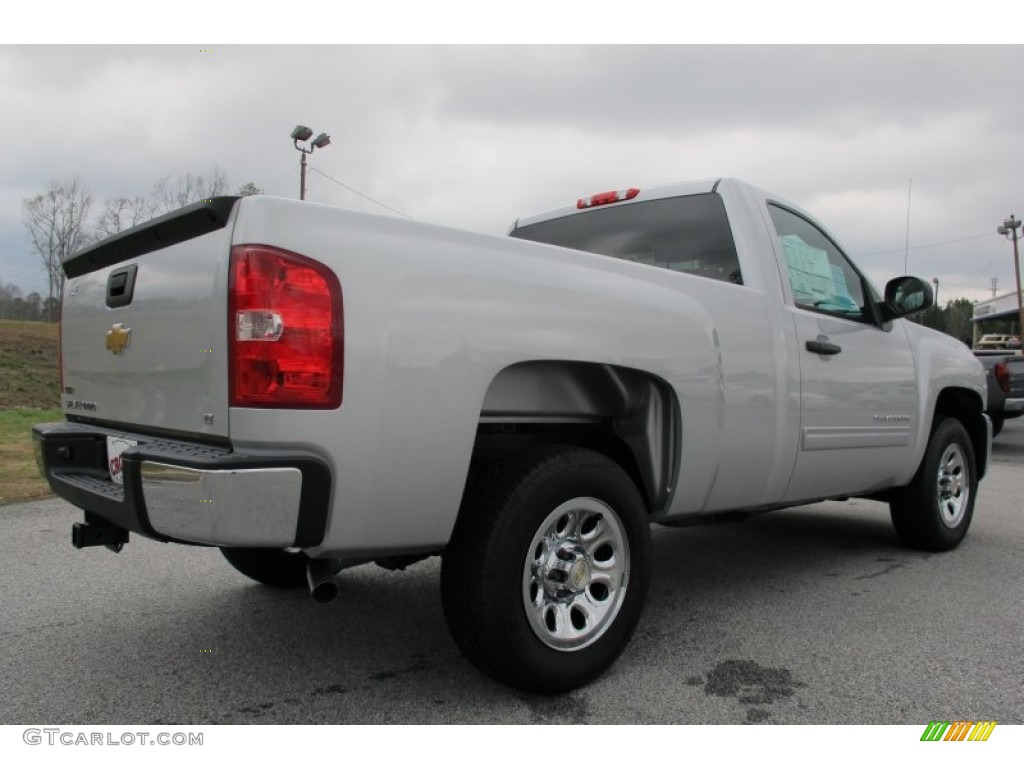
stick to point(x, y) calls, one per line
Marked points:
point(821, 277)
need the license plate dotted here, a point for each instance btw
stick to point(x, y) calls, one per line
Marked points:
point(115, 447)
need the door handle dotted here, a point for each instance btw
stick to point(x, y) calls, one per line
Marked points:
point(820, 347)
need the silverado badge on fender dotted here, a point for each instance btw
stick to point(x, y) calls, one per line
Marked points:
point(119, 338)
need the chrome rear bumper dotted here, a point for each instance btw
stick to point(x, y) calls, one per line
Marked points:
point(175, 490)
point(238, 508)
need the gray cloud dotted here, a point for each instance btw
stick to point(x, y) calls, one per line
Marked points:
point(474, 136)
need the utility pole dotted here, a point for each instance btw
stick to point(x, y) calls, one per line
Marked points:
point(303, 133)
point(1009, 230)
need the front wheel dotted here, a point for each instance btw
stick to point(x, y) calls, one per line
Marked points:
point(934, 512)
point(547, 571)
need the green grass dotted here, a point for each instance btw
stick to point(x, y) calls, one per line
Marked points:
point(19, 477)
point(29, 394)
point(29, 374)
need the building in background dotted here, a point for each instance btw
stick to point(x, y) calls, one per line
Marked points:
point(997, 315)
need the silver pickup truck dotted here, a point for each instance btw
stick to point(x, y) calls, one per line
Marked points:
point(308, 388)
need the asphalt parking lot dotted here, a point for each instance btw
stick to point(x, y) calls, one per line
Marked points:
point(810, 615)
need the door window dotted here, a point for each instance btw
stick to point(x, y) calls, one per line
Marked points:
point(821, 277)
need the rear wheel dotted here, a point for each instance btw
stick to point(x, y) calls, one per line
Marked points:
point(546, 574)
point(934, 512)
point(997, 424)
point(273, 567)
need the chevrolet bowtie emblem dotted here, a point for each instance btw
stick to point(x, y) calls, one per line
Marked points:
point(119, 338)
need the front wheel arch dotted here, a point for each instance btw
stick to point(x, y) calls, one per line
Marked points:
point(934, 511)
point(965, 406)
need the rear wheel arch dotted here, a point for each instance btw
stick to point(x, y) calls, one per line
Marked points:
point(631, 416)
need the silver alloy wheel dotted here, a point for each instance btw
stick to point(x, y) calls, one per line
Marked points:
point(954, 488)
point(576, 573)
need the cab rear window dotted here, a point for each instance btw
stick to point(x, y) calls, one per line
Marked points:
point(685, 234)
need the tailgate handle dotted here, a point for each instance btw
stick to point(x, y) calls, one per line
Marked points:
point(121, 286)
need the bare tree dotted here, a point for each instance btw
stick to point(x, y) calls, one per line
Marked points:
point(121, 213)
point(169, 193)
point(56, 224)
point(51, 308)
point(8, 293)
point(249, 188)
point(34, 307)
point(958, 319)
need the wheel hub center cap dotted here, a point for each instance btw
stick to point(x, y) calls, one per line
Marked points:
point(579, 575)
point(567, 571)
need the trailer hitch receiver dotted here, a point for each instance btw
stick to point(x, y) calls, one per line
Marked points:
point(90, 534)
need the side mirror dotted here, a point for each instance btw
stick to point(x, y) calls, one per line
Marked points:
point(905, 296)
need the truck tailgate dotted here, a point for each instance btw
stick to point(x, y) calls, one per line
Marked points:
point(144, 325)
point(1015, 365)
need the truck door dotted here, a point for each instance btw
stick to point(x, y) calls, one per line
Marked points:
point(858, 394)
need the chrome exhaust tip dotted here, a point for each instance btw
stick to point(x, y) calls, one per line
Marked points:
point(320, 574)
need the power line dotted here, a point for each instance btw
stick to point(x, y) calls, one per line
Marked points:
point(992, 258)
point(973, 284)
point(357, 192)
point(40, 271)
point(927, 245)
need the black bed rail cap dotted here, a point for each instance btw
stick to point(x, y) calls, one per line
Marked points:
point(175, 227)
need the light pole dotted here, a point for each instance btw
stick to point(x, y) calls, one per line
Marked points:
point(1009, 230)
point(935, 282)
point(302, 133)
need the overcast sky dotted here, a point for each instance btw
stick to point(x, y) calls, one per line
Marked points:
point(474, 137)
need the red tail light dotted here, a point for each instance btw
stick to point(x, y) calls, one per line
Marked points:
point(286, 330)
point(1002, 374)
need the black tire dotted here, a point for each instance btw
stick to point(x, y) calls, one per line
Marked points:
point(547, 571)
point(997, 423)
point(273, 567)
point(934, 512)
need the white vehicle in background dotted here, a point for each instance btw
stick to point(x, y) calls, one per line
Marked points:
point(310, 388)
point(995, 341)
